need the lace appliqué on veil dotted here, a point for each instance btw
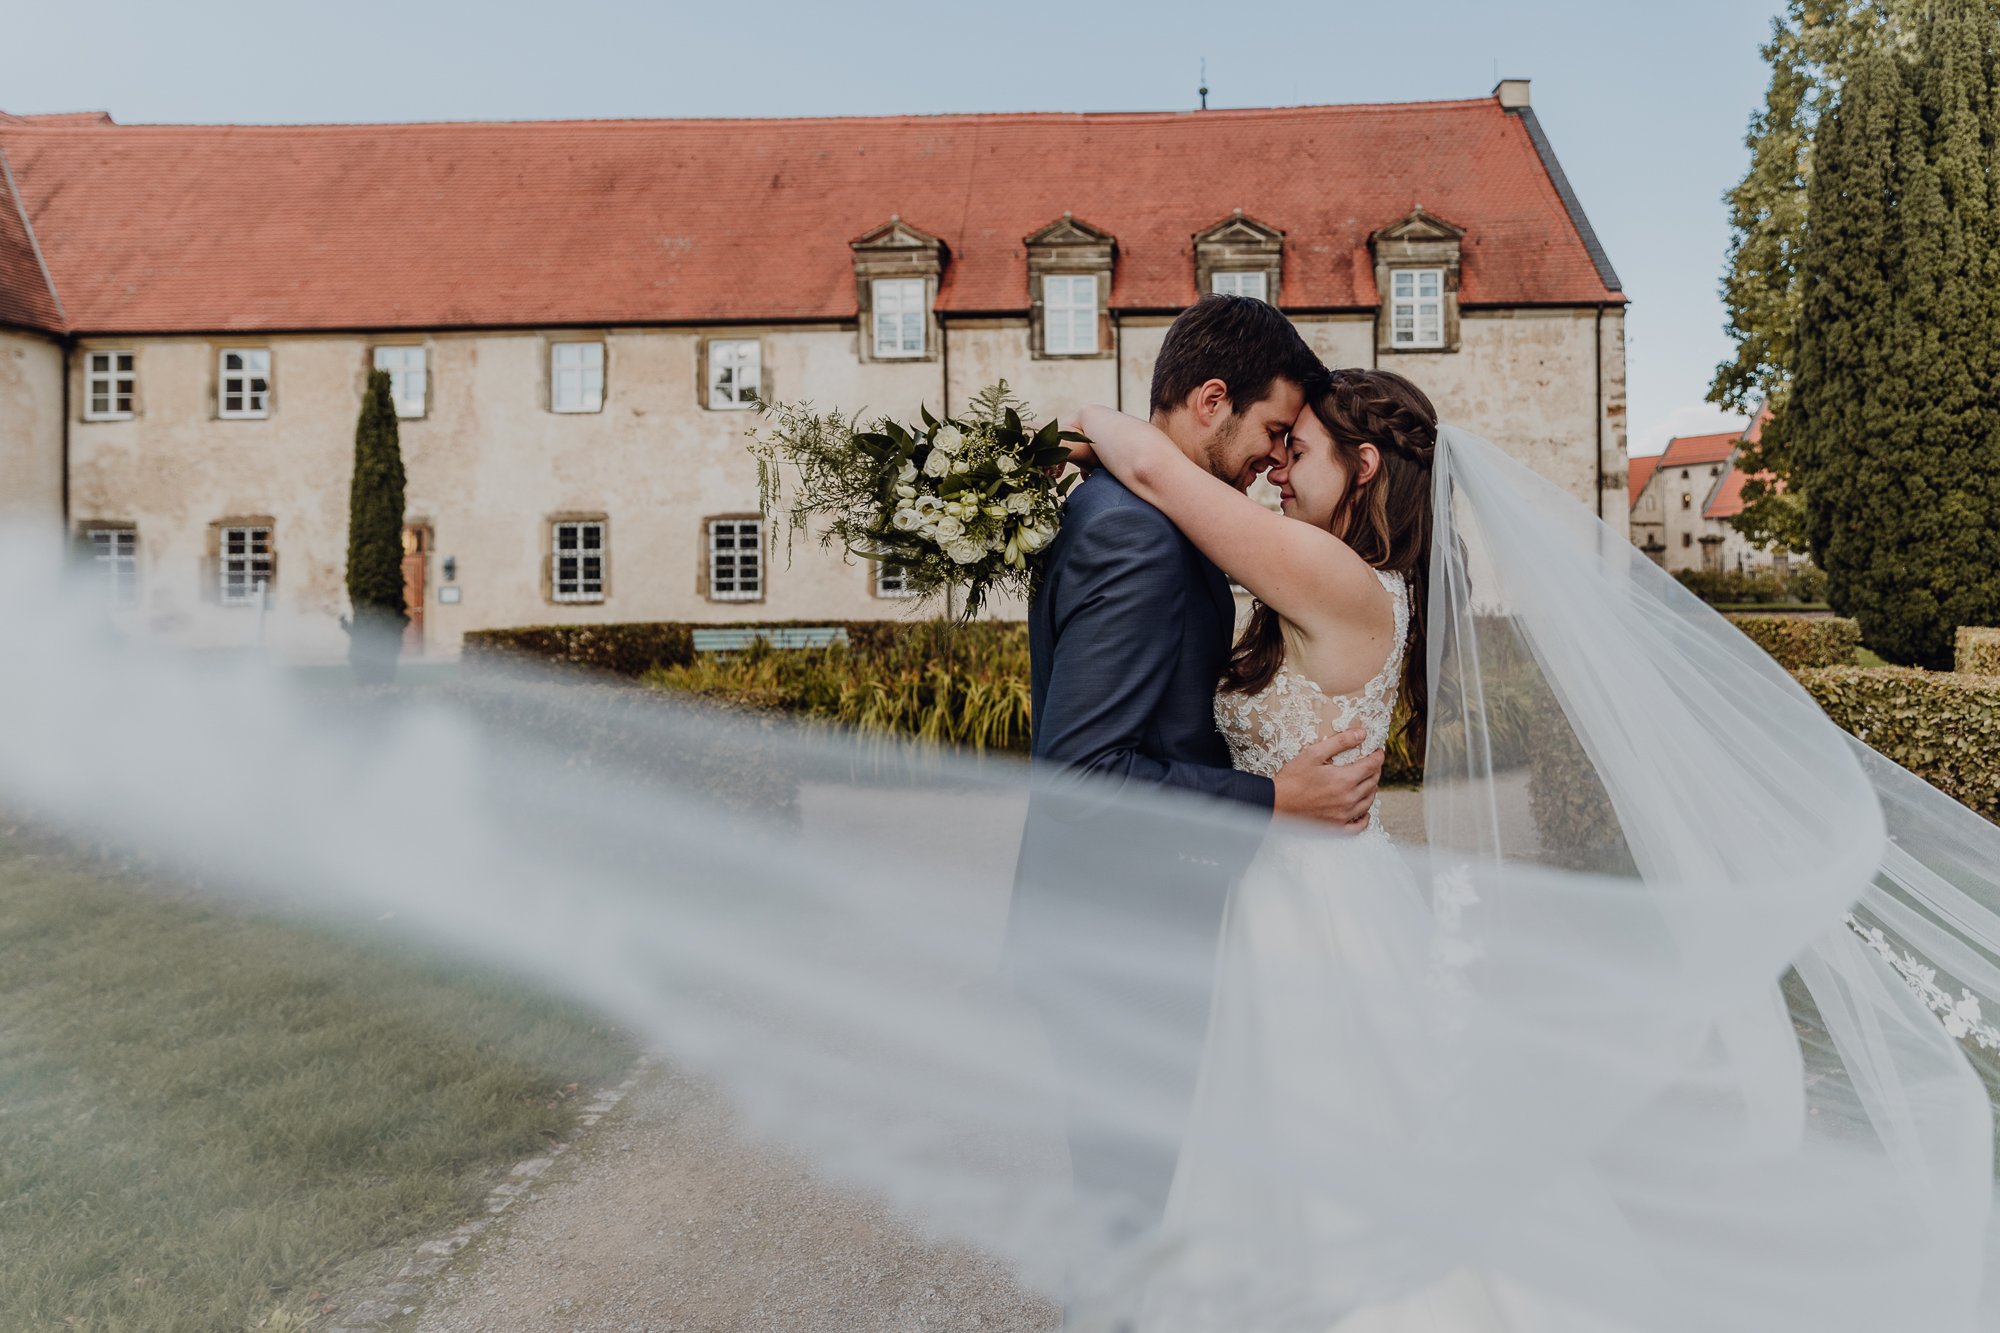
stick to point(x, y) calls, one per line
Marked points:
point(1961, 1017)
point(1268, 729)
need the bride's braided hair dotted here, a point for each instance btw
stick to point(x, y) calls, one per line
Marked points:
point(1387, 521)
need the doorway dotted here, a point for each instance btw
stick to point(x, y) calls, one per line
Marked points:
point(416, 564)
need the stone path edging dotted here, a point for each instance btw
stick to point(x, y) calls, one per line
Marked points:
point(374, 1308)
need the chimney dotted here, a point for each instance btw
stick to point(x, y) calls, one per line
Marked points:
point(1513, 93)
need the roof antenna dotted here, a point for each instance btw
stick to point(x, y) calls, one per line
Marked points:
point(1204, 83)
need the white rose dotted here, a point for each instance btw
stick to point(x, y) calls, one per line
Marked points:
point(907, 473)
point(1005, 464)
point(949, 527)
point(907, 520)
point(926, 503)
point(937, 464)
point(965, 552)
point(949, 438)
point(959, 465)
point(907, 492)
point(1020, 502)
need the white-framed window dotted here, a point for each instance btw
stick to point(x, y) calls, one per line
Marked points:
point(409, 377)
point(576, 377)
point(1416, 307)
point(246, 382)
point(1244, 282)
point(244, 565)
point(899, 316)
point(111, 386)
point(891, 579)
point(735, 372)
point(735, 559)
point(1069, 314)
point(114, 558)
point(576, 561)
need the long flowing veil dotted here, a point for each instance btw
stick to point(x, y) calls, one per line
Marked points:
point(1677, 1019)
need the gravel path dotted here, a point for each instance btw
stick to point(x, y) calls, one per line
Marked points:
point(664, 1221)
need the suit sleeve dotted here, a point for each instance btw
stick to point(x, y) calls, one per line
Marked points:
point(1122, 615)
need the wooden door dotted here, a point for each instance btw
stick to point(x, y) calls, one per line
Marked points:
point(416, 562)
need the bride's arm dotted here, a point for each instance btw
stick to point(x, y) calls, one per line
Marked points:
point(1302, 572)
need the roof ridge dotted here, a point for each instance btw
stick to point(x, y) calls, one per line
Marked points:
point(34, 243)
point(12, 123)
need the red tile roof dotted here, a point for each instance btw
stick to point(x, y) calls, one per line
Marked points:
point(207, 228)
point(26, 299)
point(1638, 472)
point(1727, 501)
point(1700, 450)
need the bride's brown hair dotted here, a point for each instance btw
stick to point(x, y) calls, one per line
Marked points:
point(1386, 521)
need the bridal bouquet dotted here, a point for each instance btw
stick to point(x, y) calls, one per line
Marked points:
point(957, 503)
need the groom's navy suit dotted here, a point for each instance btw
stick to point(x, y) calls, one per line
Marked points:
point(1129, 632)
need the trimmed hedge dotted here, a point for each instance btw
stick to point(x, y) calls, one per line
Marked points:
point(1978, 651)
point(1942, 726)
point(1806, 584)
point(1798, 642)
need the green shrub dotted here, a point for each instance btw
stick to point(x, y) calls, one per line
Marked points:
point(1805, 586)
point(1942, 726)
point(965, 685)
point(1978, 651)
point(621, 650)
point(1801, 641)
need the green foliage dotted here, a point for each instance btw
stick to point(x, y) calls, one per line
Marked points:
point(945, 684)
point(1811, 48)
point(1803, 641)
point(1942, 726)
point(1894, 415)
point(620, 650)
point(1805, 585)
point(1978, 651)
point(375, 535)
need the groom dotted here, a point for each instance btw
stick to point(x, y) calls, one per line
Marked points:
point(1128, 634)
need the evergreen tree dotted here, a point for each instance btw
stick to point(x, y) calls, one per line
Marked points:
point(1893, 418)
point(375, 537)
point(1811, 49)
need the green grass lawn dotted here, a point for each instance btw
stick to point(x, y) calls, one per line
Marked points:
point(205, 1113)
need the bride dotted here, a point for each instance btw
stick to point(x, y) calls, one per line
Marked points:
point(1722, 1159)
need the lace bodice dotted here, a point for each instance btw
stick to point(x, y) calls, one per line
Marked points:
point(1268, 729)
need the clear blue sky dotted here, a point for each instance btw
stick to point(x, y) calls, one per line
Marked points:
point(1646, 103)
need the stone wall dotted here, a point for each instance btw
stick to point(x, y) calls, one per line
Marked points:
point(489, 464)
point(31, 416)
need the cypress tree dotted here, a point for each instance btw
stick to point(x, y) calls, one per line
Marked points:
point(375, 537)
point(1893, 421)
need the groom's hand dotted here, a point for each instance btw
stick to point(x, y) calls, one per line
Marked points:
point(1314, 787)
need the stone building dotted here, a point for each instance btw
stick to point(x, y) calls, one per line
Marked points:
point(1681, 501)
point(577, 316)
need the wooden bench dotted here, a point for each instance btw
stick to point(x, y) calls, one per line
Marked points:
point(736, 639)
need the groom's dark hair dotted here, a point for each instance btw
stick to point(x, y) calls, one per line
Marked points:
point(1240, 340)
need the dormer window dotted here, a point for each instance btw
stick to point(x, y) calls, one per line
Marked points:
point(896, 274)
point(1416, 307)
point(1416, 281)
point(900, 315)
point(1240, 256)
point(1238, 282)
point(1069, 289)
point(1069, 312)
